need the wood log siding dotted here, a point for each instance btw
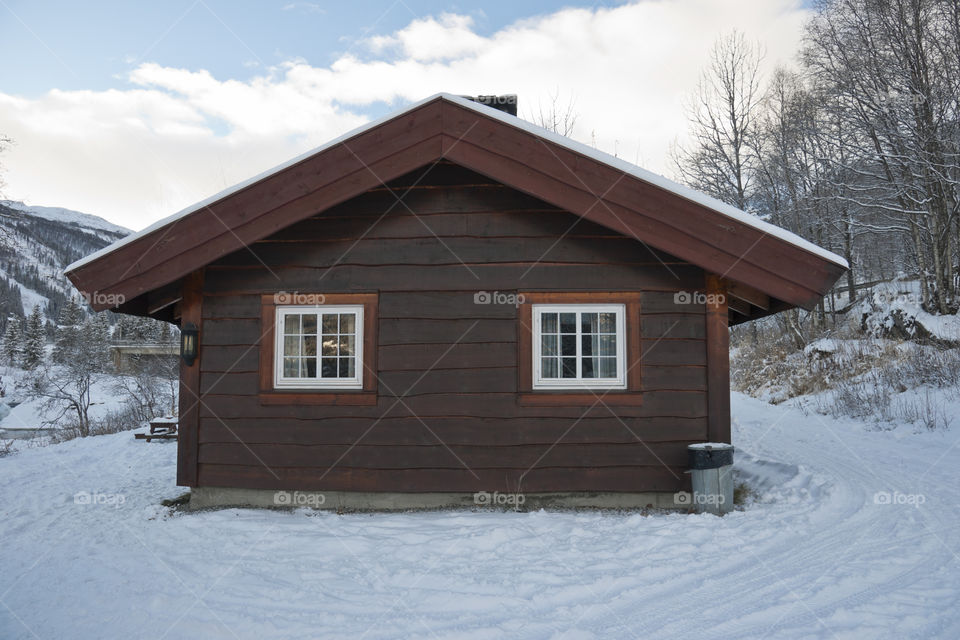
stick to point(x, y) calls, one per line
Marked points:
point(191, 378)
point(447, 367)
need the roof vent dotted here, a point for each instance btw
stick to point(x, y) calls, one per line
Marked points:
point(506, 103)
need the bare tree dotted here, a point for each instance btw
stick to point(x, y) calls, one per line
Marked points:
point(5, 143)
point(67, 387)
point(151, 388)
point(555, 116)
point(6, 214)
point(721, 159)
point(892, 69)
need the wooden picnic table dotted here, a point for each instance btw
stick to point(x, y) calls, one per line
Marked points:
point(161, 428)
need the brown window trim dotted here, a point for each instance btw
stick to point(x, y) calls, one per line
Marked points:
point(365, 396)
point(527, 396)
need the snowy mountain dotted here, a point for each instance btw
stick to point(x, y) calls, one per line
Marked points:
point(36, 243)
point(69, 217)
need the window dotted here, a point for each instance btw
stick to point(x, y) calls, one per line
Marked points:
point(319, 347)
point(579, 346)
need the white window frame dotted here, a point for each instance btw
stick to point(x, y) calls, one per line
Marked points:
point(282, 382)
point(619, 382)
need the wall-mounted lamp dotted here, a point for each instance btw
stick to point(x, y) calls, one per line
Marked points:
point(189, 335)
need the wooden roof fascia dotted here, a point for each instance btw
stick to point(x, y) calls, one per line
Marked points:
point(623, 203)
point(244, 217)
point(511, 154)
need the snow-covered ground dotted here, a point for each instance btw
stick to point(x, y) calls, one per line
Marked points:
point(29, 413)
point(854, 535)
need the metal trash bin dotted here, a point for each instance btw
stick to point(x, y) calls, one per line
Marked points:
point(711, 466)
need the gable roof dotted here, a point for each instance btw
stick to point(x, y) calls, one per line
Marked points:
point(607, 190)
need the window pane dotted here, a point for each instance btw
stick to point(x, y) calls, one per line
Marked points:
point(329, 323)
point(589, 345)
point(548, 323)
point(588, 322)
point(318, 344)
point(578, 342)
point(329, 347)
point(568, 345)
point(589, 366)
point(607, 345)
point(548, 345)
point(608, 323)
point(607, 368)
point(328, 368)
point(549, 367)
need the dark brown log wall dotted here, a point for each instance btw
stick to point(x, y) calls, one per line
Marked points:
point(448, 416)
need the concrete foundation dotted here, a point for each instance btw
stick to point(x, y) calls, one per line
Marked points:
point(219, 497)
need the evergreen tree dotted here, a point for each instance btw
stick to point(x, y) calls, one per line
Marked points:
point(67, 331)
point(34, 340)
point(12, 341)
point(96, 337)
point(120, 328)
point(142, 329)
point(11, 304)
point(85, 364)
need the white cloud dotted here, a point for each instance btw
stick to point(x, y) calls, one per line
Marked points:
point(445, 38)
point(174, 136)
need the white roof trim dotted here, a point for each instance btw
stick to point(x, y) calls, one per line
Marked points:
point(627, 167)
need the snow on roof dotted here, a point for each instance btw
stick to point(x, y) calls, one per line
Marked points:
point(657, 181)
point(577, 147)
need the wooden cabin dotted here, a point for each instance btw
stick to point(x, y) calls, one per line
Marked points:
point(451, 301)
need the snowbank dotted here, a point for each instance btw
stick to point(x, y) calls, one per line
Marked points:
point(893, 309)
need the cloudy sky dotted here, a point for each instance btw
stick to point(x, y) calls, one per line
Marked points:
point(134, 110)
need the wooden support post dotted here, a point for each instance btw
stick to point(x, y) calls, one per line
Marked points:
point(188, 443)
point(718, 361)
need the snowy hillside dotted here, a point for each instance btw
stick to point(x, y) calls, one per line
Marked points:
point(36, 243)
point(852, 535)
point(882, 357)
